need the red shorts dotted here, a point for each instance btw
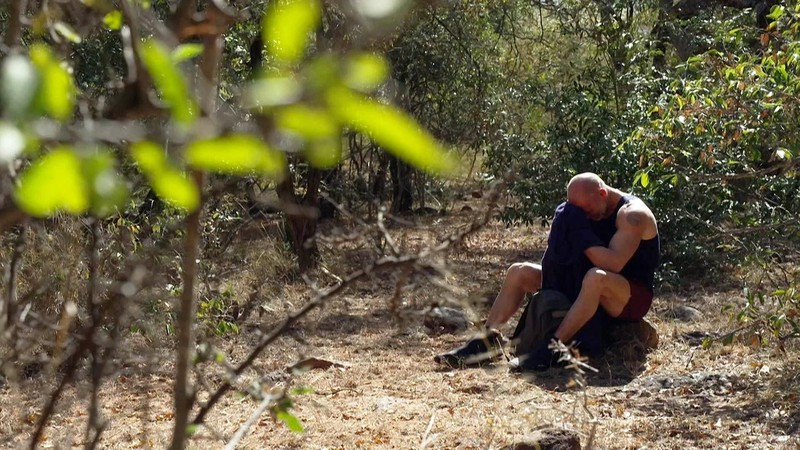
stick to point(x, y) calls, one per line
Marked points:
point(639, 304)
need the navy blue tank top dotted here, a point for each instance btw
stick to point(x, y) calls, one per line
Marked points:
point(642, 265)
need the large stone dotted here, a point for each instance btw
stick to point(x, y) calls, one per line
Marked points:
point(548, 439)
point(685, 313)
point(640, 332)
point(448, 320)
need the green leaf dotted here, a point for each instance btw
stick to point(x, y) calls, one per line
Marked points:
point(291, 421)
point(644, 180)
point(57, 92)
point(275, 91)
point(107, 189)
point(150, 157)
point(185, 52)
point(236, 154)
point(176, 189)
point(113, 20)
point(287, 26)
point(776, 12)
point(169, 81)
point(310, 123)
point(324, 154)
point(301, 390)
point(394, 130)
point(169, 183)
point(53, 183)
point(12, 142)
point(69, 34)
point(192, 429)
point(365, 71)
point(19, 81)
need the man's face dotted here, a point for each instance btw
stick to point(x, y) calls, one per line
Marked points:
point(591, 201)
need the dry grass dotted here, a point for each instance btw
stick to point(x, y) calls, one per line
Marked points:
point(391, 395)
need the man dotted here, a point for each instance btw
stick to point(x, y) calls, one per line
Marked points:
point(621, 245)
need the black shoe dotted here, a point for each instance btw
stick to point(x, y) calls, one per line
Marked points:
point(479, 350)
point(539, 359)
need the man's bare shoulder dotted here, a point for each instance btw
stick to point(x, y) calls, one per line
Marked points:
point(636, 215)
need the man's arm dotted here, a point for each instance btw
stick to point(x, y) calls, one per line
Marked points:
point(630, 228)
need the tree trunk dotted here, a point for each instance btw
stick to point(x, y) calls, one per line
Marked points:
point(301, 224)
point(402, 186)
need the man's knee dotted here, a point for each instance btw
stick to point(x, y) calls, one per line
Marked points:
point(526, 275)
point(595, 278)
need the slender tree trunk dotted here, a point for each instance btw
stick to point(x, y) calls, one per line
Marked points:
point(183, 394)
point(402, 186)
point(14, 26)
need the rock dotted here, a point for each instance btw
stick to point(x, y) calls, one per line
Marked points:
point(685, 313)
point(448, 320)
point(466, 208)
point(315, 363)
point(549, 439)
point(642, 332)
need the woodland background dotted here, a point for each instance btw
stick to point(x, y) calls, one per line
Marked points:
point(149, 147)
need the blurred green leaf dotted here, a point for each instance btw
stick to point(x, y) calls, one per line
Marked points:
point(236, 154)
point(310, 123)
point(365, 71)
point(19, 82)
point(150, 157)
point(53, 183)
point(292, 422)
point(169, 183)
point(108, 191)
point(169, 81)
point(185, 52)
point(324, 154)
point(12, 142)
point(113, 20)
point(287, 25)
point(275, 91)
point(57, 92)
point(69, 34)
point(391, 128)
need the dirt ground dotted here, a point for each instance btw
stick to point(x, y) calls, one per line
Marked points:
point(387, 393)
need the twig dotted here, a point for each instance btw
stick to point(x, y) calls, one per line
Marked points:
point(69, 373)
point(250, 421)
point(426, 438)
point(183, 398)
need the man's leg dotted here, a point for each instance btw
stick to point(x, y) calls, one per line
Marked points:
point(521, 278)
point(599, 288)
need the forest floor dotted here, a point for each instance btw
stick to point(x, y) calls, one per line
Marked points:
point(388, 393)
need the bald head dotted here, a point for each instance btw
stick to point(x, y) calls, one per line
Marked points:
point(588, 192)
